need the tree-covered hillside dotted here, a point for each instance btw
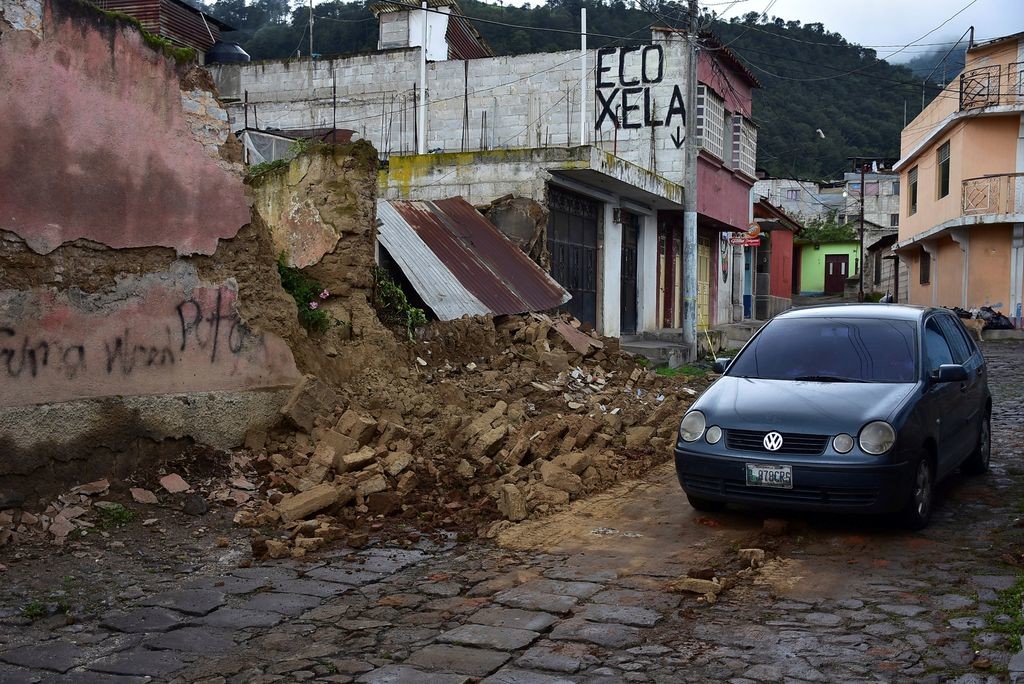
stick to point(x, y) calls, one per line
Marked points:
point(812, 78)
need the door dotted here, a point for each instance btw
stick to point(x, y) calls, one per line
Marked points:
point(572, 242)
point(670, 268)
point(628, 291)
point(972, 392)
point(703, 283)
point(944, 401)
point(836, 270)
point(748, 282)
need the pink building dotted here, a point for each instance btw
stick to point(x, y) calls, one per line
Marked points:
point(725, 176)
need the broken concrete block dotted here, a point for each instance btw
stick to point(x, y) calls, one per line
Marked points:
point(639, 437)
point(512, 502)
point(357, 426)
point(396, 462)
point(342, 444)
point(465, 469)
point(696, 586)
point(560, 478)
point(174, 484)
point(485, 420)
point(539, 493)
point(356, 460)
point(488, 443)
point(753, 558)
point(575, 462)
point(372, 485)
point(143, 496)
point(305, 504)
point(309, 398)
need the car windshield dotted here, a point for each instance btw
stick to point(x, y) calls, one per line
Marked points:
point(831, 350)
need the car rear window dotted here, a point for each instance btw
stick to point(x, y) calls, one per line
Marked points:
point(831, 350)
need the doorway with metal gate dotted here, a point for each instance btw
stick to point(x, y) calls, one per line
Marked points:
point(572, 242)
point(628, 292)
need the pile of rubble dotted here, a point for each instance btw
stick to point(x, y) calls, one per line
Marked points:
point(495, 423)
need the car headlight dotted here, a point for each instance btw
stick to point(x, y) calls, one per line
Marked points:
point(692, 426)
point(714, 434)
point(877, 437)
point(842, 443)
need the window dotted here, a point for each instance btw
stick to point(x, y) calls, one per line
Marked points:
point(842, 219)
point(793, 194)
point(912, 179)
point(854, 188)
point(747, 147)
point(936, 348)
point(878, 268)
point(957, 338)
point(896, 187)
point(924, 264)
point(856, 349)
point(710, 119)
point(894, 220)
point(943, 162)
point(871, 189)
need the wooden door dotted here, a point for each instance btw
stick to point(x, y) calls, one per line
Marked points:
point(703, 283)
point(836, 272)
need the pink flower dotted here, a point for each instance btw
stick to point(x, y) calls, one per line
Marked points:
point(325, 294)
point(313, 305)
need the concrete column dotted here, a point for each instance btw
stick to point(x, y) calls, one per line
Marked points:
point(609, 294)
point(736, 280)
point(1017, 273)
point(647, 274)
point(962, 237)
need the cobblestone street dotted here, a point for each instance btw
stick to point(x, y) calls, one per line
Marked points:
point(579, 597)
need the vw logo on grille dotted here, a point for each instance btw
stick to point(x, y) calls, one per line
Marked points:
point(773, 441)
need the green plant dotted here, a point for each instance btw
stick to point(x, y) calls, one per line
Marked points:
point(828, 229)
point(1009, 604)
point(115, 516)
point(682, 370)
point(307, 294)
point(33, 610)
point(642, 361)
point(392, 305)
point(298, 147)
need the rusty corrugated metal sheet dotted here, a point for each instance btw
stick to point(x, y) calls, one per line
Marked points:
point(484, 266)
point(432, 280)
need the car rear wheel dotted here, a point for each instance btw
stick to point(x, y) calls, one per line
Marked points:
point(977, 462)
point(919, 507)
point(704, 505)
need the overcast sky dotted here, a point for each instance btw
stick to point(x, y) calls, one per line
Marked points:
point(893, 22)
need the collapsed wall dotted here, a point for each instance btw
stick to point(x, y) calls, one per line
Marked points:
point(140, 303)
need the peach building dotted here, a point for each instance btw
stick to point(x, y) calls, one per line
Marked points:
point(962, 169)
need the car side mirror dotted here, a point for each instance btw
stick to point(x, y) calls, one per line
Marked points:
point(721, 365)
point(949, 372)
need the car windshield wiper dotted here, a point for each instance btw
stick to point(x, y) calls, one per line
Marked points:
point(825, 378)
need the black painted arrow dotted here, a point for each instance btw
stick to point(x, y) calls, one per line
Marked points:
point(678, 138)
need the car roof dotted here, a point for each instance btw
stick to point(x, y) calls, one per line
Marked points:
point(899, 312)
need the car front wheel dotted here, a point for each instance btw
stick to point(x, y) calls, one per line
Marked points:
point(919, 507)
point(977, 462)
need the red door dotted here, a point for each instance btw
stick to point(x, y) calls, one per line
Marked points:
point(836, 272)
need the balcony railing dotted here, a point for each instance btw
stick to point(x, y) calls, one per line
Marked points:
point(1000, 84)
point(995, 194)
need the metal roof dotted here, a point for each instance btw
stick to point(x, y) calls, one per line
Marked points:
point(459, 263)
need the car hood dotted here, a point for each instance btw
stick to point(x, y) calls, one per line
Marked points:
point(808, 407)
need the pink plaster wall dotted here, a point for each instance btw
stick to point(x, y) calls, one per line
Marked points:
point(95, 144)
point(722, 194)
point(159, 334)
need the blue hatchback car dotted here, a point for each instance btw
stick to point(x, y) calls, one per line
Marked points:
point(850, 408)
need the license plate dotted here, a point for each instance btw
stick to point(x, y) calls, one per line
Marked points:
point(776, 476)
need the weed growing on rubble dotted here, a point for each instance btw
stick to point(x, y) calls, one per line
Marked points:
point(392, 305)
point(257, 170)
point(115, 516)
point(307, 294)
point(33, 610)
point(1009, 604)
point(681, 371)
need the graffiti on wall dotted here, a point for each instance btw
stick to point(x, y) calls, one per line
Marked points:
point(166, 339)
point(627, 81)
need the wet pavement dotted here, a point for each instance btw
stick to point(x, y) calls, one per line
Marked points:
point(584, 596)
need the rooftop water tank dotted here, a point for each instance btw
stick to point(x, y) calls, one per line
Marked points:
point(226, 53)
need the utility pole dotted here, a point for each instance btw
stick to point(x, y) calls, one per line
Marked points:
point(860, 270)
point(311, 29)
point(422, 113)
point(690, 191)
point(583, 76)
